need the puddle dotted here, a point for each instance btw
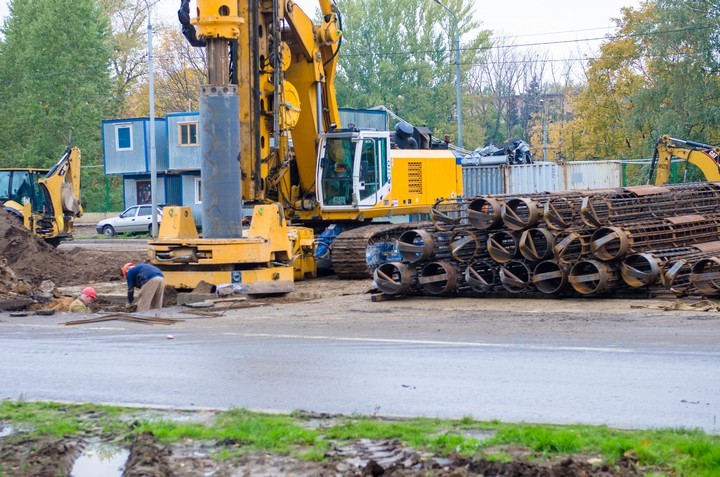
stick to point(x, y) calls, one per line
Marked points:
point(479, 434)
point(153, 415)
point(101, 459)
point(6, 431)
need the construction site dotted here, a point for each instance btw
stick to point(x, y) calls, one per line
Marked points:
point(284, 263)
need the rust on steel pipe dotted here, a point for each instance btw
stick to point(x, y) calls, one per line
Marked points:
point(677, 270)
point(515, 276)
point(551, 277)
point(447, 214)
point(394, 278)
point(484, 213)
point(592, 277)
point(643, 269)
point(419, 245)
point(536, 244)
point(439, 278)
point(465, 246)
point(611, 243)
point(481, 276)
point(560, 213)
point(503, 246)
point(571, 246)
point(676, 276)
point(520, 213)
point(640, 269)
point(705, 276)
point(642, 202)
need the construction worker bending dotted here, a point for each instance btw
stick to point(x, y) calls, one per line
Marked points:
point(151, 282)
point(82, 303)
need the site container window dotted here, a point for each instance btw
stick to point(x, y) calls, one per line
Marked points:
point(198, 190)
point(188, 134)
point(123, 137)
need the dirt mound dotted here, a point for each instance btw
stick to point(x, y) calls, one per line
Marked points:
point(33, 261)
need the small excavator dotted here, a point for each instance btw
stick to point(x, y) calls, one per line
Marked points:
point(47, 201)
point(704, 156)
point(270, 136)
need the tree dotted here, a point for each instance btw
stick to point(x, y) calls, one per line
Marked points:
point(400, 54)
point(657, 76)
point(54, 79)
point(180, 70)
point(128, 21)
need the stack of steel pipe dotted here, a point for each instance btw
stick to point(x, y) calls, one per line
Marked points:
point(575, 242)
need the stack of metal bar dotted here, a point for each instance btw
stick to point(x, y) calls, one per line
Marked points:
point(581, 243)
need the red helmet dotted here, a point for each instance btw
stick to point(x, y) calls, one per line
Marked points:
point(127, 267)
point(90, 291)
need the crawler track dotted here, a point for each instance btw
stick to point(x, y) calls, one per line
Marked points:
point(349, 249)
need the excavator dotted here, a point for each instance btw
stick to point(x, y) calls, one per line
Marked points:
point(270, 136)
point(704, 156)
point(47, 201)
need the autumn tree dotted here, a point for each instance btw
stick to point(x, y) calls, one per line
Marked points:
point(657, 76)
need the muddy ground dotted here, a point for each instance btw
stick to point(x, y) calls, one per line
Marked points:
point(31, 271)
point(25, 455)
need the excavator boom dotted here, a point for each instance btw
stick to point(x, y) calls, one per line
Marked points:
point(704, 156)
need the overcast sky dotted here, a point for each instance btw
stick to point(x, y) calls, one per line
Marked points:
point(528, 21)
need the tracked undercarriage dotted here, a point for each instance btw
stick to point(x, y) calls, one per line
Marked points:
point(357, 252)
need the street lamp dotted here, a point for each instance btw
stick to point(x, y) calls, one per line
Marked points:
point(153, 158)
point(457, 72)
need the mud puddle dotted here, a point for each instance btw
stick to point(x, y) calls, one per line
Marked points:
point(100, 459)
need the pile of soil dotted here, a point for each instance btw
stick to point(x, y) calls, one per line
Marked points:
point(27, 261)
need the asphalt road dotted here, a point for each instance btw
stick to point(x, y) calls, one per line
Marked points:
point(514, 360)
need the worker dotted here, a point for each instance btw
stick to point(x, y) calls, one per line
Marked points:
point(82, 303)
point(151, 282)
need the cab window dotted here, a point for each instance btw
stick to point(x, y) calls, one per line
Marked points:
point(337, 171)
point(368, 169)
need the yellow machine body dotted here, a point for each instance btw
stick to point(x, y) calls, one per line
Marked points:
point(704, 156)
point(265, 260)
point(51, 200)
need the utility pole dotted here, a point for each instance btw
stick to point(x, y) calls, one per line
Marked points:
point(544, 130)
point(153, 157)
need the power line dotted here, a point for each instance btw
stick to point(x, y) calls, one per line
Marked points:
point(523, 45)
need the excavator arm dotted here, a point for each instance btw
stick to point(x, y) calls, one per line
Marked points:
point(61, 187)
point(704, 156)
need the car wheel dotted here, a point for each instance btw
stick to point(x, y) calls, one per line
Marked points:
point(108, 231)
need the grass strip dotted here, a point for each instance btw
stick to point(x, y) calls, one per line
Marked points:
point(659, 451)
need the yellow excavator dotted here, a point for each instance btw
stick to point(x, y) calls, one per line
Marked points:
point(704, 156)
point(47, 201)
point(270, 136)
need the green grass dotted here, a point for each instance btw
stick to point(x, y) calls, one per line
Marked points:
point(664, 451)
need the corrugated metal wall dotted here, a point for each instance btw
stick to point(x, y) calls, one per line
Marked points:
point(541, 177)
point(532, 178)
point(481, 180)
point(592, 175)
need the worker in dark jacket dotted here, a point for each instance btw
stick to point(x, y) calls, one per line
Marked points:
point(151, 282)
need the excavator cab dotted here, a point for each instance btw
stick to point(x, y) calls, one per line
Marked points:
point(352, 170)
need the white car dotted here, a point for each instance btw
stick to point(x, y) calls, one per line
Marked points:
point(137, 218)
